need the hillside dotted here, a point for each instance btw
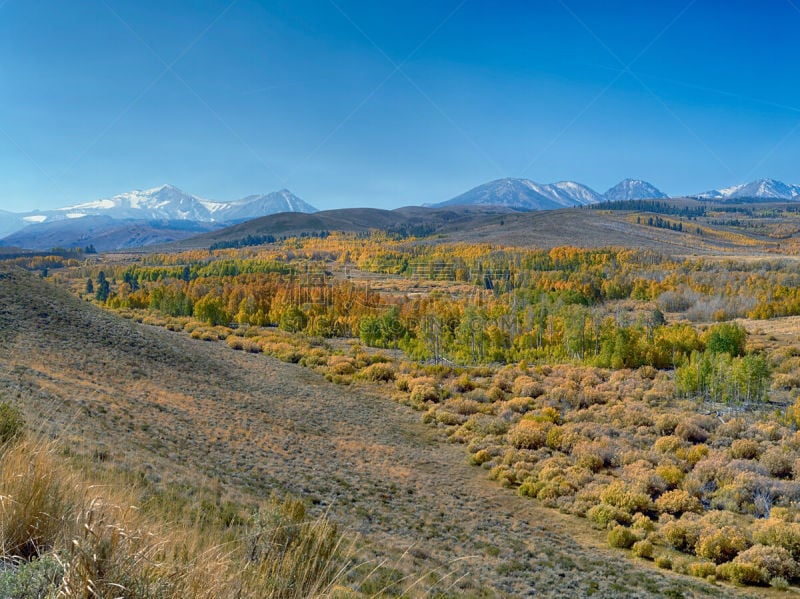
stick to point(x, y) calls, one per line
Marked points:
point(104, 233)
point(175, 410)
point(411, 220)
point(707, 227)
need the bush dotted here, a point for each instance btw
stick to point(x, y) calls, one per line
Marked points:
point(778, 533)
point(480, 457)
point(677, 502)
point(529, 434)
point(668, 444)
point(663, 561)
point(643, 549)
point(424, 392)
point(342, 365)
point(618, 495)
point(681, 534)
point(12, 424)
point(702, 569)
point(30, 580)
point(741, 573)
point(745, 449)
point(603, 514)
point(525, 386)
point(721, 544)
point(621, 537)
point(778, 462)
point(671, 474)
point(774, 561)
point(378, 372)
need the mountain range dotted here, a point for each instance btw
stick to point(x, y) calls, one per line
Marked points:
point(166, 213)
point(167, 202)
point(761, 189)
point(137, 218)
point(524, 194)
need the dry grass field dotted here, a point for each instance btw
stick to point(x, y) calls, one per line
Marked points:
point(179, 413)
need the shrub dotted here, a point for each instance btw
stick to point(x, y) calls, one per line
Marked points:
point(621, 537)
point(677, 502)
point(778, 533)
point(462, 384)
point(774, 561)
point(671, 474)
point(691, 432)
point(745, 449)
point(741, 573)
point(341, 365)
point(12, 424)
point(520, 404)
point(424, 392)
point(643, 549)
point(378, 372)
point(668, 444)
point(663, 561)
point(618, 495)
point(525, 386)
point(28, 580)
point(463, 406)
point(603, 514)
point(721, 544)
point(778, 462)
point(480, 457)
point(529, 434)
point(702, 569)
point(681, 534)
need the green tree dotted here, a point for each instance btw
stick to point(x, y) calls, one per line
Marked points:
point(728, 337)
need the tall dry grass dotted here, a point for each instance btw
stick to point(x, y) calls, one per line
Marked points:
point(103, 546)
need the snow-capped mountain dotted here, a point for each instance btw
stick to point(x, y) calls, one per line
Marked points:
point(164, 202)
point(167, 202)
point(524, 194)
point(167, 210)
point(763, 188)
point(633, 189)
point(261, 205)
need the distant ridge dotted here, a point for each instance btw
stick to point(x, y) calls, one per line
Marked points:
point(762, 189)
point(524, 194)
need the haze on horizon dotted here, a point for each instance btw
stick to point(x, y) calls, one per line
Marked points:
point(353, 103)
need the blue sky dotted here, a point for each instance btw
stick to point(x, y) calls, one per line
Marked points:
point(365, 103)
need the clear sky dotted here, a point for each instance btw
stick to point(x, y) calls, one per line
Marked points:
point(372, 103)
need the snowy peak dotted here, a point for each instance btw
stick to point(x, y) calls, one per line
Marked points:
point(763, 188)
point(164, 202)
point(633, 189)
point(255, 206)
point(524, 194)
